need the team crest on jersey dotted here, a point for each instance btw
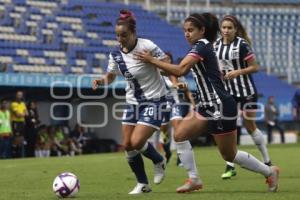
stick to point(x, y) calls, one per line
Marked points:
point(225, 65)
point(235, 54)
point(118, 58)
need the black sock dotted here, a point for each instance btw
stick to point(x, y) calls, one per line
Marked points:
point(152, 154)
point(136, 164)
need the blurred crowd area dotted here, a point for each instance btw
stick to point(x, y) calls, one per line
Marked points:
point(23, 135)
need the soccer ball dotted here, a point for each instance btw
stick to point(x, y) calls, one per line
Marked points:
point(66, 185)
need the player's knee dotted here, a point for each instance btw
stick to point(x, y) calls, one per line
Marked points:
point(137, 144)
point(127, 146)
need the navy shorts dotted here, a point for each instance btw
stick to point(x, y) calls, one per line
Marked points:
point(168, 111)
point(180, 110)
point(222, 118)
point(149, 113)
point(247, 103)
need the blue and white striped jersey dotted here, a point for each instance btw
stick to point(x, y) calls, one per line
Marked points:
point(144, 81)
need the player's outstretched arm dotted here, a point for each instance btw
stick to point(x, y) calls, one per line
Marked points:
point(107, 79)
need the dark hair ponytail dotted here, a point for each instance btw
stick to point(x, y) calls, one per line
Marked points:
point(211, 27)
point(241, 31)
point(127, 18)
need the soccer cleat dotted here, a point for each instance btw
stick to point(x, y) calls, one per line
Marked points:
point(229, 172)
point(272, 180)
point(140, 188)
point(159, 172)
point(269, 163)
point(190, 185)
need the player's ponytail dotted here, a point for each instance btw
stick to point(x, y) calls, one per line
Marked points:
point(127, 18)
point(211, 27)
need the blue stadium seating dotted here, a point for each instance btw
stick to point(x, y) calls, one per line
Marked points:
point(76, 36)
point(268, 1)
point(270, 30)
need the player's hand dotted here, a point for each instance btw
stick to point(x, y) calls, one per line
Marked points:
point(232, 75)
point(144, 56)
point(182, 86)
point(96, 83)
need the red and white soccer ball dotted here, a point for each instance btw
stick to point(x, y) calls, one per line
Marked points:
point(66, 185)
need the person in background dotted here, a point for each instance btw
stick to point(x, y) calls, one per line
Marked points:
point(271, 120)
point(237, 62)
point(18, 114)
point(43, 142)
point(5, 130)
point(32, 122)
point(296, 105)
point(79, 139)
point(296, 109)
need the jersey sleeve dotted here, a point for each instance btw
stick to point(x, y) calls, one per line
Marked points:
point(112, 65)
point(198, 51)
point(246, 52)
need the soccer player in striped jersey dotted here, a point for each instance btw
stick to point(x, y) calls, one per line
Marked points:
point(181, 101)
point(217, 110)
point(237, 62)
point(145, 98)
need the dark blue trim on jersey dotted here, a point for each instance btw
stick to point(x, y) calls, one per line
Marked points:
point(138, 92)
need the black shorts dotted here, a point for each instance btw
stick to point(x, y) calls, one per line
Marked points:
point(221, 118)
point(18, 128)
point(247, 103)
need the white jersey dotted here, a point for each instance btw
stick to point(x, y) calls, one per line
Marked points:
point(173, 91)
point(144, 81)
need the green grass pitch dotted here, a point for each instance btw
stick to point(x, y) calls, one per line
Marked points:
point(108, 177)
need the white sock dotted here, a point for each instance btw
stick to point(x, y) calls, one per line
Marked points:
point(259, 140)
point(187, 158)
point(37, 153)
point(47, 153)
point(230, 164)
point(249, 162)
point(40, 152)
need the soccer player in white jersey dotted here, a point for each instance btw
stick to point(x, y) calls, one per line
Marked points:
point(237, 62)
point(216, 111)
point(145, 98)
